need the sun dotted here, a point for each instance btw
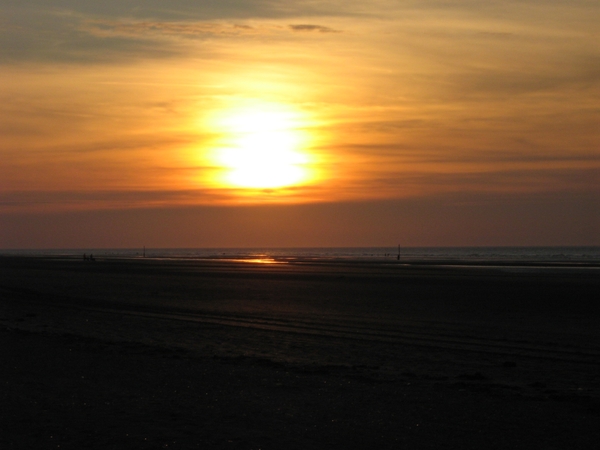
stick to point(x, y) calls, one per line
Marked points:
point(262, 147)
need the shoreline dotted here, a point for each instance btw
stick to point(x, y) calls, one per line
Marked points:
point(490, 263)
point(476, 255)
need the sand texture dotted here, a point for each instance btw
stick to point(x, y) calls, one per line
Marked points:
point(148, 354)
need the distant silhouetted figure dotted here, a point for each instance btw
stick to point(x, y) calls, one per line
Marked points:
point(92, 257)
point(398, 258)
point(84, 257)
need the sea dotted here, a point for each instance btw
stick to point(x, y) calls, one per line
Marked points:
point(566, 254)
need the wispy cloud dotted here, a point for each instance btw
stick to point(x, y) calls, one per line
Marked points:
point(313, 28)
point(106, 28)
point(198, 30)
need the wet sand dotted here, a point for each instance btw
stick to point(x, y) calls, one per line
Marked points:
point(126, 354)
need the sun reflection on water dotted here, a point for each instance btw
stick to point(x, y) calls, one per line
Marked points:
point(259, 261)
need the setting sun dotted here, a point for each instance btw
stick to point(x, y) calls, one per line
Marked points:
point(262, 147)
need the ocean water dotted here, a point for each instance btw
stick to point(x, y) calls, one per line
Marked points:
point(589, 254)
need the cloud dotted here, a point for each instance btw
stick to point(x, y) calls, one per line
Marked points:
point(40, 36)
point(87, 35)
point(186, 10)
point(313, 28)
point(197, 30)
point(107, 29)
point(108, 199)
point(564, 73)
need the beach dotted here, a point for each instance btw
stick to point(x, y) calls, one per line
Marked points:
point(186, 353)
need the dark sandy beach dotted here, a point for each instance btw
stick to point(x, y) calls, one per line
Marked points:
point(145, 354)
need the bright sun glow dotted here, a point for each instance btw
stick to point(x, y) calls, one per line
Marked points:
point(262, 147)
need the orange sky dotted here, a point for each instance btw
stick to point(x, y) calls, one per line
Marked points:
point(112, 109)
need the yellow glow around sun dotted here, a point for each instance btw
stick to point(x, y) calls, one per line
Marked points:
point(261, 146)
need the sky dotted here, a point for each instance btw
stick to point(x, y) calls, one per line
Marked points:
point(229, 123)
